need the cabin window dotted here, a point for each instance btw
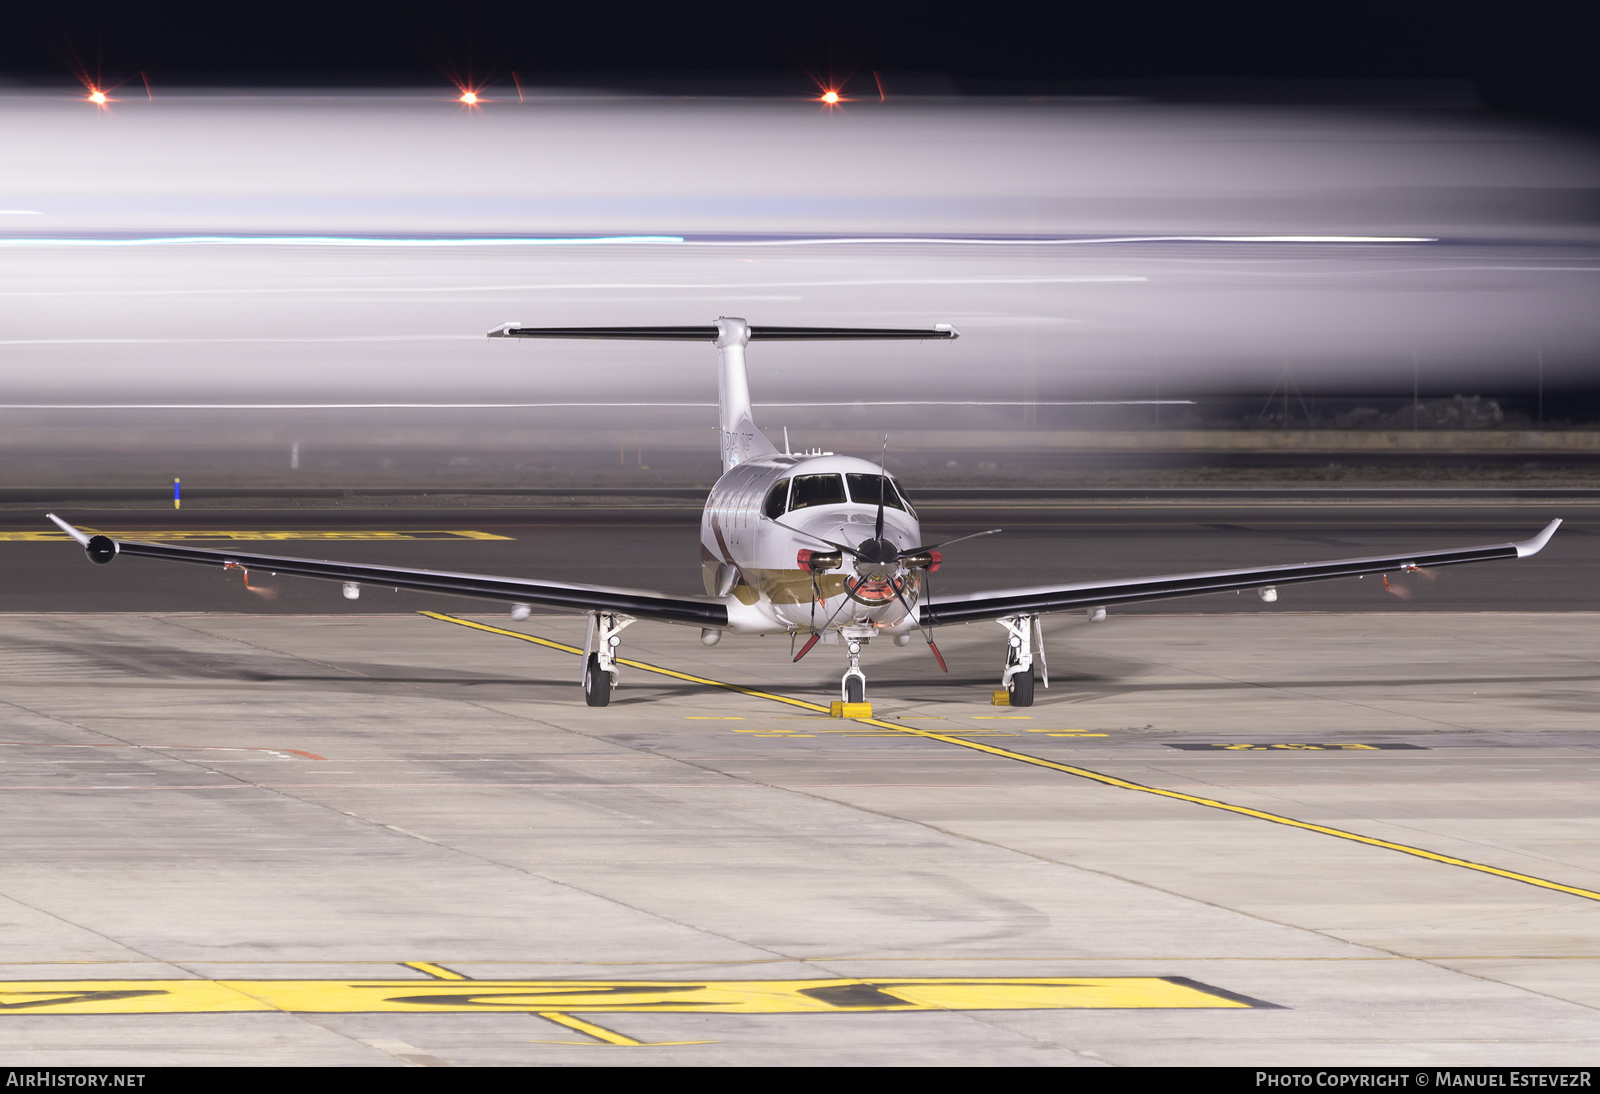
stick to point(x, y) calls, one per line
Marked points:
point(817, 490)
point(864, 491)
point(777, 499)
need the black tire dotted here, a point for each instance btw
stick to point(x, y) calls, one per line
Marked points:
point(596, 683)
point(1022, 689)
point(855, 689)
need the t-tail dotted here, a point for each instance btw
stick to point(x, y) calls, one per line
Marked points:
point(741, 440)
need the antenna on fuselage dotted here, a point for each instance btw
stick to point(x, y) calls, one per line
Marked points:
point(741, 440)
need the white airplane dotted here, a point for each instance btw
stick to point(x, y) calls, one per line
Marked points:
point(805, 544)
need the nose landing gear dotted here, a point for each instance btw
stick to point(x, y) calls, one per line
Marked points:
point(853, 685)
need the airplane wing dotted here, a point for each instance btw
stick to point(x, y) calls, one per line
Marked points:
point(1102, 594)
point(639, 603)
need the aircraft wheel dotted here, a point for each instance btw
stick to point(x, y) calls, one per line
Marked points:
point(1022, 689)
point(855, 689)
point(596, 683)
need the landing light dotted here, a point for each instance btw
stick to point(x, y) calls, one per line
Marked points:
point(98, 98)
point(830, 97)
point(470, 98)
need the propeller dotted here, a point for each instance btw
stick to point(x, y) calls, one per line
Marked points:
point(816, 634)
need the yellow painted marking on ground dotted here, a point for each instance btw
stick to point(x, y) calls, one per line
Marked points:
point(676, 675)
point(1066, 733)
point(124, 997)
point(1084, 772)
point(438, 971)
point(192, 534)
point(547, 997)
point(601, 1033)
point(1302, 748)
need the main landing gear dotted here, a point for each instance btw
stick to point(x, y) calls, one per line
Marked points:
point(600, 659)
point(1026, 640)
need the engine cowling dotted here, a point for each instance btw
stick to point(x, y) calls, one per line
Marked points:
point(819, 561)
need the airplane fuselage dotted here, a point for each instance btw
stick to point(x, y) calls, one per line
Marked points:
point(765, 512)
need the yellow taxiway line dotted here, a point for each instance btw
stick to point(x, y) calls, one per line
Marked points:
point(1069, 769)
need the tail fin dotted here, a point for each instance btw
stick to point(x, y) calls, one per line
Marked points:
point(741, 440)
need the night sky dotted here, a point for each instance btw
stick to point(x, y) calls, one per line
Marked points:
point(1528, 60)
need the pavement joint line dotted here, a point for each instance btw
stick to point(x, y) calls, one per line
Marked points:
point(1069, 769)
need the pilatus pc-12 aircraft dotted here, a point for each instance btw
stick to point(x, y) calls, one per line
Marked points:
point(813, 545)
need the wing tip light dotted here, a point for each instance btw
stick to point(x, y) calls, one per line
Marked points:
point(1536, 544)
point(504, 330)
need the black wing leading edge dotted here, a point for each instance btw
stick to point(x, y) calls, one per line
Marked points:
point(639, 603)
point(1102, 594)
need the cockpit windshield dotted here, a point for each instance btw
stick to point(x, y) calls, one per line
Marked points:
point(816, 490)
point(864, 491)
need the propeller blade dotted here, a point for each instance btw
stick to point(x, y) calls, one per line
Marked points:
point(836, 546)
point(927, 632)
point(805, 649)
point(883, 486)
point(944, 543)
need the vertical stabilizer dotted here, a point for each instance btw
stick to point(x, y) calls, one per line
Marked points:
point(741, 440)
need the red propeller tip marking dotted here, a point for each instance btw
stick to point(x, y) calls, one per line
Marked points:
point(805, 649)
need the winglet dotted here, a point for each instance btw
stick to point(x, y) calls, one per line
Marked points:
point(83, 537)
point(1536, 544)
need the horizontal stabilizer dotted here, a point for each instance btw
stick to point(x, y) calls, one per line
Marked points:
point(709, 333)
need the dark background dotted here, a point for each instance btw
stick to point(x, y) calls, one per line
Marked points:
point(1533, 61)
